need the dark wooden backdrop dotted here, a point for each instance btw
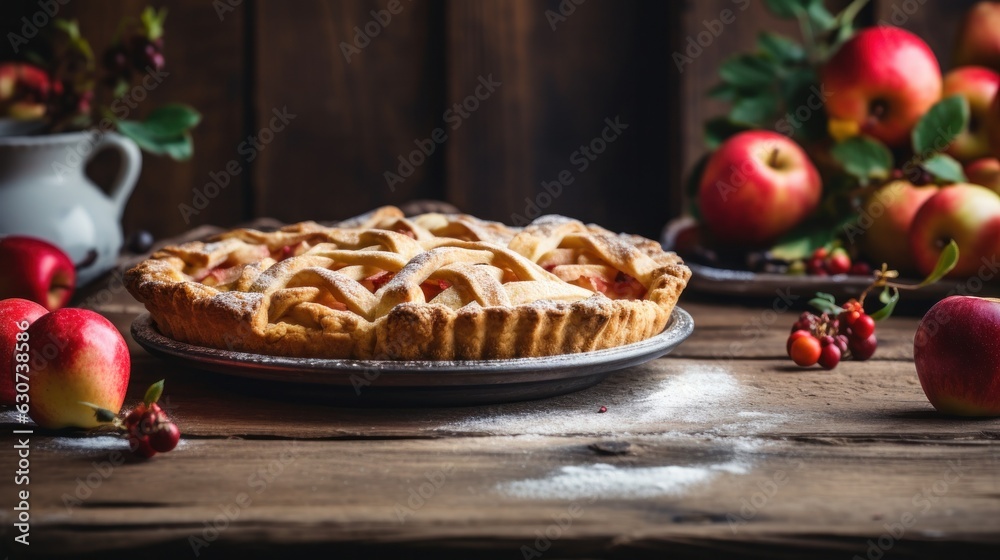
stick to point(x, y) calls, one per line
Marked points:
point(606, 59)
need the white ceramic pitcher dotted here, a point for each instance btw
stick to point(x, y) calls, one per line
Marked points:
point(45, 193)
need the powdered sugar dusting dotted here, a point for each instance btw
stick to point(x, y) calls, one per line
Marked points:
point(610, 481)
point(697, 395)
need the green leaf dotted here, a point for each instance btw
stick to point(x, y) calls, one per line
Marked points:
point(748, 71)
point(153, 393)
point(757, 112)
point(723, 92)
point(945, 168)
point(780, 48)
point(101, 414)
point(801, 243)
point(825, 303)
point(172, 120)
point(821, 18)
point(946, 261)
point(719, 129)
point(889, 297)
point(153, 21)
point(940, 125)
point(864, 158)
point(179, 147)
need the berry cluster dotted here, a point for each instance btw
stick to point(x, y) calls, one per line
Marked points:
point(150, 431)
point(824, 262)
point(134, 54)
point(826, 339)
point(147, 426)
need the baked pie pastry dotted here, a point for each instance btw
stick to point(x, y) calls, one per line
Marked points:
point(430, 287)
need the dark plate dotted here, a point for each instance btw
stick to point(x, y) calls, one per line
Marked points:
point(413, 383)
point(717, 281)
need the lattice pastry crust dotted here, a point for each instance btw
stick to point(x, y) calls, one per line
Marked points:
point(431, 287)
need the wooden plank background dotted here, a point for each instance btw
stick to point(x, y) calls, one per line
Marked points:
point(561, 77)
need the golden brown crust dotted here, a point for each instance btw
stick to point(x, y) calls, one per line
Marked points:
point(360, 290)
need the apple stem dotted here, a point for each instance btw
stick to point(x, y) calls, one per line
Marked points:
point(773, 161)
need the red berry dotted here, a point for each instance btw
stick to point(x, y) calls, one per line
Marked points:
point(149, 422)
point(839, 262)
point(826, 340)
point(861, 269)
point(863, 327)
point(815, 266)
point(793, 337)
point(165, 438)
point(133, 417)
point(805, 351)
point(861, 350)
point(829, 357)
point(841, 341)
point(820, 253)
point(140, 447)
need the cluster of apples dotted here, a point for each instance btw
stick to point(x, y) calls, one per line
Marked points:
point(759, 184)
point(61, 364)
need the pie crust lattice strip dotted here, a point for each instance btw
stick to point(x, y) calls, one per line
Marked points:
point(429, 287)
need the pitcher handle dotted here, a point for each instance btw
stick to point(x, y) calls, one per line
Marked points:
point(131, 165)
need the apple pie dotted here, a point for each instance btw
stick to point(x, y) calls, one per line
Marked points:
point(428, 287)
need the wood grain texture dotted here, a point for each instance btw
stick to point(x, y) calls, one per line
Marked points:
point(353, 118)
point(565, 73)
point(748, 457)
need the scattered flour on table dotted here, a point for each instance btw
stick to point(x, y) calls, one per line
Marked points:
point(708, 399)
point(700, 394)
point(609, 481)
point(98, 443)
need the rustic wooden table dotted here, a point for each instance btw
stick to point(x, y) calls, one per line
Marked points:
point(722, 448)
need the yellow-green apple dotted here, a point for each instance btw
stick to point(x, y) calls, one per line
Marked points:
point(24, 91)
point(888, 213)
point(880, 82)
point(37, 270)
point(978, 85)
point(979, 36)
point(757, 186)
point(955, 354)
point(15, 313)
point(77, 356)
point(985, 172)
point(964, 213)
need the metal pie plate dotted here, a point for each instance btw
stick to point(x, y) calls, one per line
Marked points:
point(411, 383)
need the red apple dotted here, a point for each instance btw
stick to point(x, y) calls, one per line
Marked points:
point(967, 214)
point(76, 356)
point(979, 37)
point(985, 172)
point(880, 82)
point(889, 211)
point(979, 86)
point(955, 351)
point(36, 270)
point(757, 186)
point(24, 91)
point(14, 313)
